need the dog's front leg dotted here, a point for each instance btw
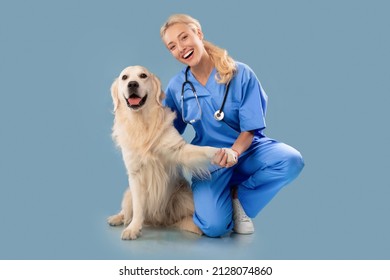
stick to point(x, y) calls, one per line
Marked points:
point(133, 230)
point(193, 156)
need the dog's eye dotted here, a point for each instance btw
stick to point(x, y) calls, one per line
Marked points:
point(143, 76)
point(124, 77)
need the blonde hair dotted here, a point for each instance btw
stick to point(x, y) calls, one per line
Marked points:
point(225, 65)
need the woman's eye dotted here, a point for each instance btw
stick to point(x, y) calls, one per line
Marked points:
point(124, 77)
point(143, 76)
point(172, 48)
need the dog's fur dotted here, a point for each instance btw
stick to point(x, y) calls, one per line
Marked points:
point(154, 154)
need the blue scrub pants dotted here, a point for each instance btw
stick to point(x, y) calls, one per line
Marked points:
point(260, 173)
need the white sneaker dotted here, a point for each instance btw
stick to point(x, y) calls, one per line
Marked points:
point(242, 223)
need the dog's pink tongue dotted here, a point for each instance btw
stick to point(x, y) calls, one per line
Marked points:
point(134, 100)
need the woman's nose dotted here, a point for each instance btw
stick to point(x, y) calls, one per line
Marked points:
point(180, 47)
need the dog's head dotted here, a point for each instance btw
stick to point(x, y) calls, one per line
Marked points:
point(135, 88)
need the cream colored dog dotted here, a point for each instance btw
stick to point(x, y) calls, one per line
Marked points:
point(155, 155)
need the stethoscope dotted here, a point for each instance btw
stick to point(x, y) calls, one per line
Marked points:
point(218, 115)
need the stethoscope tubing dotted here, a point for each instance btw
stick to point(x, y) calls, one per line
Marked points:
point(219, 114)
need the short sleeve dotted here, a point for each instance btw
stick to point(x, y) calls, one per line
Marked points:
point(253, 103)
point(169, 101)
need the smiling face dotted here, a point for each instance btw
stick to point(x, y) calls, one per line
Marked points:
point(134, 85)
point(184, 43)
point(136, 88)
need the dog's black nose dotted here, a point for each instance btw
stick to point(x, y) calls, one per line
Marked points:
point(133, 85)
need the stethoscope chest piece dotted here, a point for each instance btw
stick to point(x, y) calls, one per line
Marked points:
point(218, 115)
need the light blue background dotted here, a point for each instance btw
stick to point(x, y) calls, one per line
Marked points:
point(324, 65)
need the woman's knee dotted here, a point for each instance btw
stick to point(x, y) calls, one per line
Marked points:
point(286, 164)
point(296, 163)
point(215, 230)
point(293, 163)
point(213, 226)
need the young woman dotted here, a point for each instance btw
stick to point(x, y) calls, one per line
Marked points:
point(224, 102)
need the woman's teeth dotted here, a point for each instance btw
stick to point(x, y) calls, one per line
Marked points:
point(187, 55)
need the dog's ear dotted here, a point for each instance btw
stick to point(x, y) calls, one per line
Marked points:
point(160, 95)
point(114, 94)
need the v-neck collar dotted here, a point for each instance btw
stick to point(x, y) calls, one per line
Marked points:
point(210, 79)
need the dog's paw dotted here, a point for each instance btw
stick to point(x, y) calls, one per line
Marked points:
point(131, 233)
point(115, 220)
point(232, 156)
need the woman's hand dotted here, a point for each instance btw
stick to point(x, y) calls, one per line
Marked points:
point(225, 157)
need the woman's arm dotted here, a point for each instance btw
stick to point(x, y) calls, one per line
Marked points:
point(242, 143)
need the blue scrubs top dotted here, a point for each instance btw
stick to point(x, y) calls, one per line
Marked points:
point(244, 110)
